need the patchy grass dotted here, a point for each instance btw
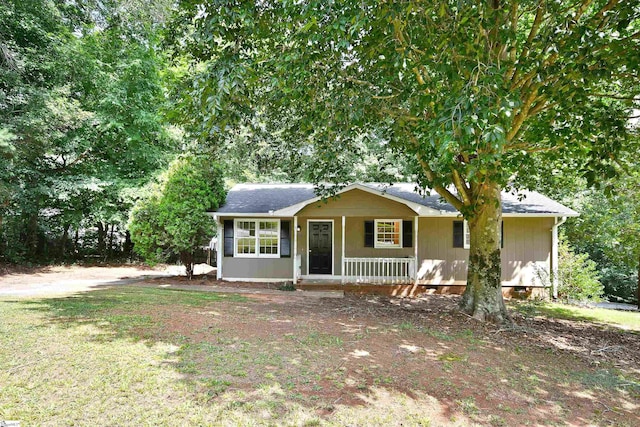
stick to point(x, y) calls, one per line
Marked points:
point(150, 356)
point(629, 320)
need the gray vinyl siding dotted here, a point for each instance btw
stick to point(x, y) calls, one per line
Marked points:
point(527, 250)
point(257, 268)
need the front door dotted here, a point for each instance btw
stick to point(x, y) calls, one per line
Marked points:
point(320, 247)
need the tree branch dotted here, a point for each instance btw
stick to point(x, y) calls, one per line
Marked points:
point(446, 194)
point(462, 188)
point(523, 114)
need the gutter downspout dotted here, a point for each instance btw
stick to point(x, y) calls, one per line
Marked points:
point(554, 254)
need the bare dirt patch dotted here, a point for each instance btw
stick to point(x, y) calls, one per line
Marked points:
point(537, 370)
point(328, 354)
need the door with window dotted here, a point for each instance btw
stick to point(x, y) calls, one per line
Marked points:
point(320, 247)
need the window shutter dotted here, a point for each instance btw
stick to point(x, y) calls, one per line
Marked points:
point(501, 234)
point(458, 234)
point(285, 239)
point(407, 234)
point(228, 237)
point(368, 234)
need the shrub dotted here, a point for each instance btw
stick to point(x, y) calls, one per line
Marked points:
point(578, 277)
point(172, 219)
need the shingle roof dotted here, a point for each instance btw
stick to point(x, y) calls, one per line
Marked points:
point(262, 198)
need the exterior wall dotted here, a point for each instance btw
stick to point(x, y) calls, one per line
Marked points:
point(527, 250)
point(357, 206)
point(357, 203)
point(439, 262)
point(257, 268)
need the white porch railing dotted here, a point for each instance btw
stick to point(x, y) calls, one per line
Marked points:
point(378, 270)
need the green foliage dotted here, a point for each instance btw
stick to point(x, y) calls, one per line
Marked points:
point(578, 278)
point(608, 226)
point(473, 96)
point(172, 220)
point(80, 99)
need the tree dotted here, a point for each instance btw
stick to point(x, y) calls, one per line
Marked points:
point(172, 220)
point(578, 278)
point(80, 99)
point(468, 91)
point(609, 231)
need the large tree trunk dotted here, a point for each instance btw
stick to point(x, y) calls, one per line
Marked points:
point(482, 298)
point(187, 260)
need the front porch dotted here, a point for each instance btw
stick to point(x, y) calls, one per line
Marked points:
point(367, 270)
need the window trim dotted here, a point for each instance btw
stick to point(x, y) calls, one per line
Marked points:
point(378, 245)
point(466, 243)
point(257, 253)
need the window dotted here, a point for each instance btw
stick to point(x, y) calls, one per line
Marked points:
point(467, 235)
point(462, 235)
point(388, 233)
point(257, 238)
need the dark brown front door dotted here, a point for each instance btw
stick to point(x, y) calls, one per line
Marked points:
point(320, 247)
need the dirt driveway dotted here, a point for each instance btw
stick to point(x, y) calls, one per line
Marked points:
point(65, 280)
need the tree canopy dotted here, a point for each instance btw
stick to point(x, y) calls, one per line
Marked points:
point(81, 125)
point(172, 220)
point(475, 94)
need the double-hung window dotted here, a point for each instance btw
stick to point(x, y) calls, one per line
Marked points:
point(388, 233)
point(467, 235)
point(258, 238)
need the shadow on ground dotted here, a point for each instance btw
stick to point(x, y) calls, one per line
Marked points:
point(334, 356)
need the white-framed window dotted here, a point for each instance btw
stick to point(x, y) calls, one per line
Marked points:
point(256, 238)
point(466, 242)
point(466, 235)
point(387, 233)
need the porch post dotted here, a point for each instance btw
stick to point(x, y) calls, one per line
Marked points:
point(220, 250)
point(415, 249)
point(295, 249)
point(342, 233)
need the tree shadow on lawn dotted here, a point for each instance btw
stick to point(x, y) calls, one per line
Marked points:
point(335, 356)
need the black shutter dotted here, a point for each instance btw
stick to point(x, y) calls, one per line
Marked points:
point(407, 234)
point(285, 239)
point(502, 234)
point(228, 237)
point(368, 234)
point(458, 234)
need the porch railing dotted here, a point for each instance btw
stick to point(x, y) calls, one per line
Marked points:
point(378, 270)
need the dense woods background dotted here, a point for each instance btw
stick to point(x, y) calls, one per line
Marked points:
point(96, 100)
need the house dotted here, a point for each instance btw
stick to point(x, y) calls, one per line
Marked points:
point(376, 234)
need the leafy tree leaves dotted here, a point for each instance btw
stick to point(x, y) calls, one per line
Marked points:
point(172, 220)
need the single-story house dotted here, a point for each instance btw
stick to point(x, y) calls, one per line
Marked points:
point(376, 233)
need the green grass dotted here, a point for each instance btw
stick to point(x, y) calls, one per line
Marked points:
point(126, 356)
point(107, 358)
point(629, 320)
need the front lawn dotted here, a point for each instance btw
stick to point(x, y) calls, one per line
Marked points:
point(629, 320)
point(153, 356)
